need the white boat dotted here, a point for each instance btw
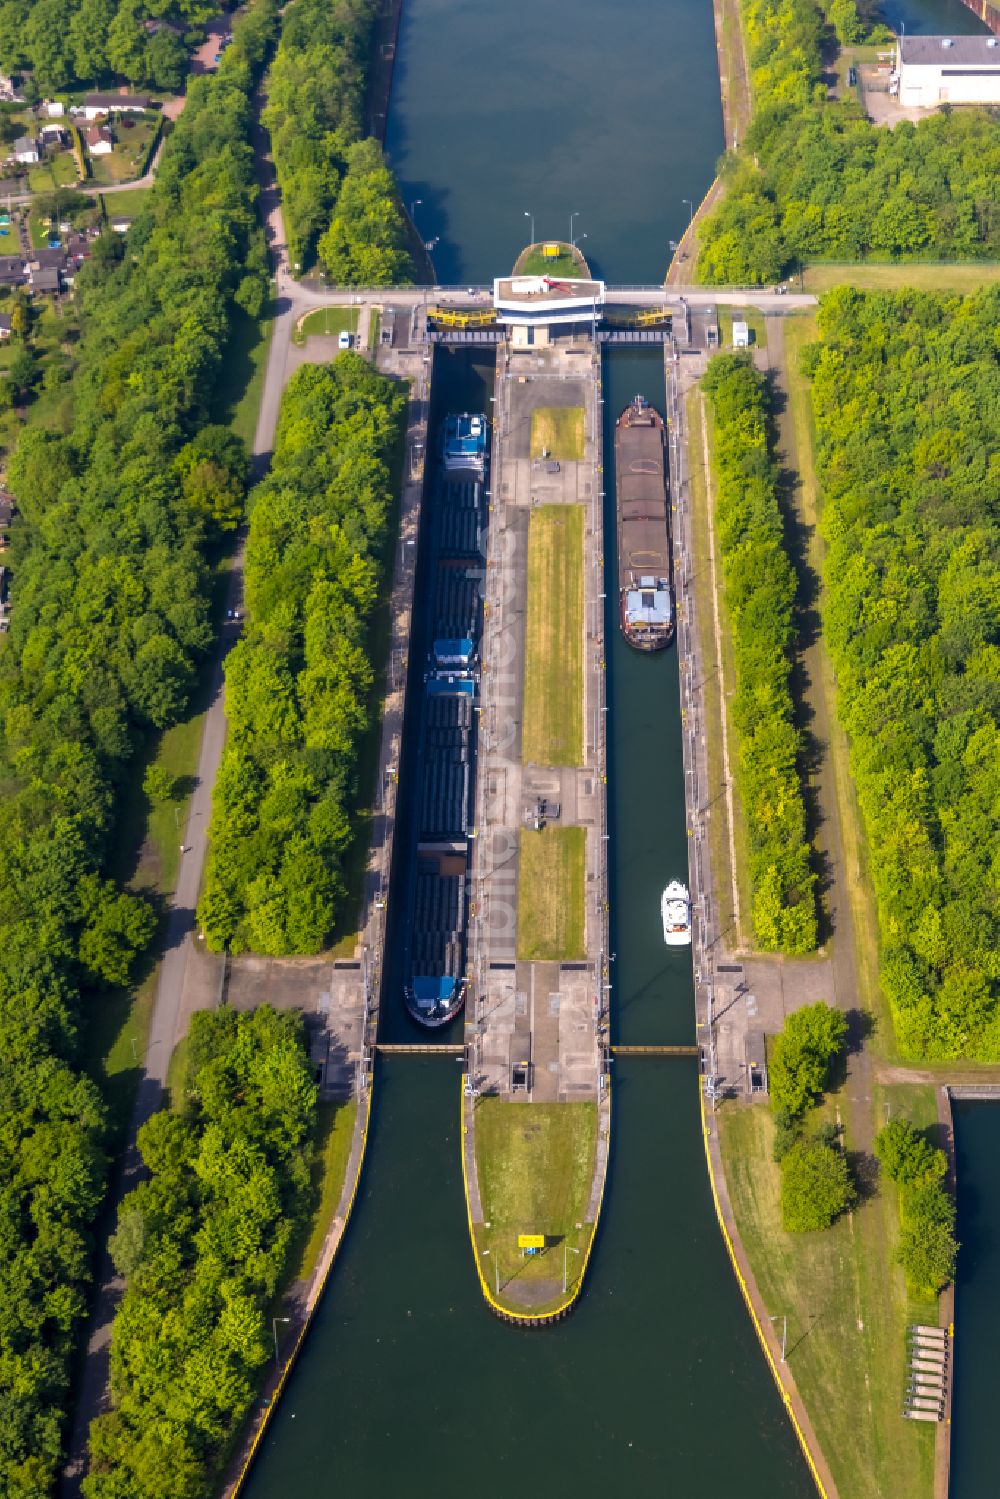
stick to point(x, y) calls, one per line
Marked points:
point(675, 907)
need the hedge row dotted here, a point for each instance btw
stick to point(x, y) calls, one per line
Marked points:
point(759, 587)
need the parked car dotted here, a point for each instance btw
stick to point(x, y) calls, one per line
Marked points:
point(344, 341)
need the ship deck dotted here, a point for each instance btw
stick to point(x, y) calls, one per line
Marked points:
point(643, 534)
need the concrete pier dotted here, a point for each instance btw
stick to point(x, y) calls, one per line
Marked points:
point(536, 1031)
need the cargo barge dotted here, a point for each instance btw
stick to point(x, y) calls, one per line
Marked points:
point(645, 582)
point(437, 918)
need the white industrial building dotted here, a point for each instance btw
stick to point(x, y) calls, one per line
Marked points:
point(536, 307)
point(935, 70)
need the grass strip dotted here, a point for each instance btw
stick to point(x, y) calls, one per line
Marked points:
point(557, 432)
point(535, 1164)
point(550, 901)
point(552, 728)
point(847, 1309)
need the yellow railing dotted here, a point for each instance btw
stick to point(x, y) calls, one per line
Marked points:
point(506, 1312)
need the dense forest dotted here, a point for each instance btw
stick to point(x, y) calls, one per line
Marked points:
point(299, 683)
point(66, 43)
point(110, 619)
point(759, 589)
point(815, 180)
point(202, 1245)
point(338, 196)
point(906, 391)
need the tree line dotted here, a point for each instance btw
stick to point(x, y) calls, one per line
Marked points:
point(338, 197)
point(110, 619)
point(300, 681)
point(815, 180)
point(71, 43)
point(816, 1184)
point(759, 589)
point(203, 1245)
point(905, 393)
point(928, 1248)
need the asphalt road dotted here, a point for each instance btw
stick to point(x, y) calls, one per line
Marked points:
point(169, 1018)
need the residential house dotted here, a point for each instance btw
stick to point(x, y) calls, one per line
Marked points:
point(97, 105)
point(121, 226)
point(47, 260)
point(100, 141)
point(25, 150)
point(54, 108)
point(8, 505)
point(53, 135)
point(46, 280)
point(6, 325)
point(13, 271)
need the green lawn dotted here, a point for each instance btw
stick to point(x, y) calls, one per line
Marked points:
point(535, 1164)
point(241, 379)
point(847, 1311)
point(328, 322)
point(552, 727)
point(568, 263)
point(718, 691)
point(38, 233)
point(557, 432)
point(756, 322)
point(550, 894)
point(374, 322)
point(133, 147)
point(55, 171)
point(965, 277)
point(127, 204)
point(334, 1133)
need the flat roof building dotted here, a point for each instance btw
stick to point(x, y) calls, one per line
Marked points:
point(935, 70)
point(533, 307)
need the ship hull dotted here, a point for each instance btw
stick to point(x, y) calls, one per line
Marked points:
point(645, 568)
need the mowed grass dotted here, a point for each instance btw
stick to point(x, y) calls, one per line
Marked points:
point(535, 1164)
point(965, 277)
point(550, 894)
point(334, 1133)
point(847, 1311)
point(557, 432)
point(552, 722)
point(327, 322)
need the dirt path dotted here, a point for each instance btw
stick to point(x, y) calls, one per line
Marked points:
point(816, 714)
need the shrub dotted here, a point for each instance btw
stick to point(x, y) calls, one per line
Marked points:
point(799, 1060)
point(816, 1186)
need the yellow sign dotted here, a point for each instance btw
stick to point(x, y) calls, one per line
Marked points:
point(531, 1241)
point(552, 251)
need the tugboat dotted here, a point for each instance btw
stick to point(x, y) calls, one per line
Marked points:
point(644, 570)
point(675, 908)
point(464, 444)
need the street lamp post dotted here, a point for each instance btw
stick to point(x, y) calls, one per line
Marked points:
point(274, 1329)
point(574, 215)
point(784, 1333)
point(529, 215)
point(567, 1250)
point(413, 210)
point(690, 208)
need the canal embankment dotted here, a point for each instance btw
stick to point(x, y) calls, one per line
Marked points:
point(849, 1363)
point(717, 982)
point(345, 1018)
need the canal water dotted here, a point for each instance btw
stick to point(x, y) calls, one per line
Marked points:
point(974, 1467)
point(655, 1383)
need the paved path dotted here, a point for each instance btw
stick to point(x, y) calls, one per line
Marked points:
point(176, 999)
